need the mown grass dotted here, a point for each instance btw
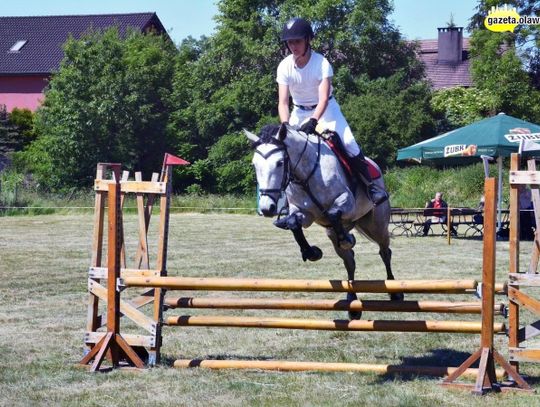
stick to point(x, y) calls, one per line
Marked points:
point(43, 266)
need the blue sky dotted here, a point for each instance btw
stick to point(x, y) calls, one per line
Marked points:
point(417, 19)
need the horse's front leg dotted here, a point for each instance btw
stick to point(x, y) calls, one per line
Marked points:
point(347, 255)
point(294, 223)
point(342, 206)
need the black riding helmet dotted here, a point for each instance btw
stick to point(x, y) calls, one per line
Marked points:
point(297, 28)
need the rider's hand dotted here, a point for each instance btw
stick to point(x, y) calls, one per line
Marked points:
point(309, 126)
point(282, 132)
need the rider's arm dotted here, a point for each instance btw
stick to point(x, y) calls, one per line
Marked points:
point(324, 93)
point(283, 103)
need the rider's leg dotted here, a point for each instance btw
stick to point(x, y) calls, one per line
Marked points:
point(334, 120)
point(360, 167)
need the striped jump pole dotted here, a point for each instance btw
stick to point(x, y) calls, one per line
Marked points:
point(450, 307)
point(288, 366)
point(342, 286)
point(466, 327)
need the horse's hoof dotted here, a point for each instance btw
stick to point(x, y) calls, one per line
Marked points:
point(312, 254)
point(355, 314)
point(397, 297)
point(282, 223)
point(348, 242)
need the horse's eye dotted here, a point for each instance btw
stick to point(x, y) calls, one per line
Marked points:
point(280, 163)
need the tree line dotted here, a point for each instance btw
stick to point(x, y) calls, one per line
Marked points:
point(130, 98)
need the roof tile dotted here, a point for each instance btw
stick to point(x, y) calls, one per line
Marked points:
point(43, 53)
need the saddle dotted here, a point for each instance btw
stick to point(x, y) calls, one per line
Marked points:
point(334, 142)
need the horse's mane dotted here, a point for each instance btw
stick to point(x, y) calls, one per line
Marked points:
point(268, 132)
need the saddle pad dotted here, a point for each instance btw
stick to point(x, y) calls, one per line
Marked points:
point(344, 160)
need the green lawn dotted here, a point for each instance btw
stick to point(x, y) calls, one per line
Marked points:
point(43, 277)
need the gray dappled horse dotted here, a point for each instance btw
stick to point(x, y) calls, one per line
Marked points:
point(318, 190)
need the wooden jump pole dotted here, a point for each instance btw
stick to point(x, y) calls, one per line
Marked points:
point(113, 343)
point(365, 286)
point(287, 366)
point(329, 305)
point(487, 355)
point(466, 327)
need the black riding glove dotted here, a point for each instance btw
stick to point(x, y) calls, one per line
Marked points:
point(282, 132)
point(309, 126)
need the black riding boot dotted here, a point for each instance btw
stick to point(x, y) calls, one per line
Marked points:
point(360, 169)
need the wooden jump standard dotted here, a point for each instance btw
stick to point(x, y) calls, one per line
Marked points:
point(486, 354)
point(147, 346)
point(523, 285)
point(113, 343)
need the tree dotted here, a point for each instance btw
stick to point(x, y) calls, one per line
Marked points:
point(504, 64)
point(109, 102)
point(228, 81)
point(387, 114)
point(462, 106)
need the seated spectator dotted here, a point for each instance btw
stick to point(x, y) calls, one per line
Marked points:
point(436, 212)
point(527, 222)
point(479, 217)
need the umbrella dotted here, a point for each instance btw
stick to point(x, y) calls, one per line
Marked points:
point(497, 136)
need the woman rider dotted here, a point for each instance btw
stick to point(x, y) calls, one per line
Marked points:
point(307, 76)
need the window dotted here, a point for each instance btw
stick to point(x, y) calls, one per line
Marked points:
point(18, 45)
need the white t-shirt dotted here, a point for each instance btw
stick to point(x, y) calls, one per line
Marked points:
point(304, 82)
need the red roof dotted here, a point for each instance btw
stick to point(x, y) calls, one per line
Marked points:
point(42, 52)
point(444, 74)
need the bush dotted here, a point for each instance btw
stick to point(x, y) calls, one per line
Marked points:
point(109, 102)
point(412, 187)
point(10, 184)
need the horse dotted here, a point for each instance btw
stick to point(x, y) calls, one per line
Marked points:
point(318, 191)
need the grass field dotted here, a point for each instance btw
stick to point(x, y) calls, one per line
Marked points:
point(43, 276)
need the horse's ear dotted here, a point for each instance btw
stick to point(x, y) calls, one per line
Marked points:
point(282, 132)
point(252, 137)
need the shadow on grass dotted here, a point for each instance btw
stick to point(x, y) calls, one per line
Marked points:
point(438, 358)
point(168, 361)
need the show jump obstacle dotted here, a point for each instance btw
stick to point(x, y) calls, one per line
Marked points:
point(134, 349)
point(522, 285)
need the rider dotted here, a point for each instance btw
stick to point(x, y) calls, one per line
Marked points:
point(307, 76)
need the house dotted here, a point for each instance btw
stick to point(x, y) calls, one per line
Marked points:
point(446, 59)
point(31, 49)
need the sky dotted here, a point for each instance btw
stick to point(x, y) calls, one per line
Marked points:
point(416, 19)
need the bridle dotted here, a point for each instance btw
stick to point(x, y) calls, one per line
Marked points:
point(279, 146)
point(288, 172)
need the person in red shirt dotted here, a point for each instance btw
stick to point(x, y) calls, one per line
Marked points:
point(436, 213)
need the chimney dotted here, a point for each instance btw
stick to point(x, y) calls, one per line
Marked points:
point(450, 45)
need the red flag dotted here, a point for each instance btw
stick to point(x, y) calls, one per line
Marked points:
point(174, 160)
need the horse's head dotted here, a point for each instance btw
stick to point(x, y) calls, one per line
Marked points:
point(271, 164)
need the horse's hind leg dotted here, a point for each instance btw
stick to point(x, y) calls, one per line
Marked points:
point(347, 255)
point(379, 234)
point(386, 256)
